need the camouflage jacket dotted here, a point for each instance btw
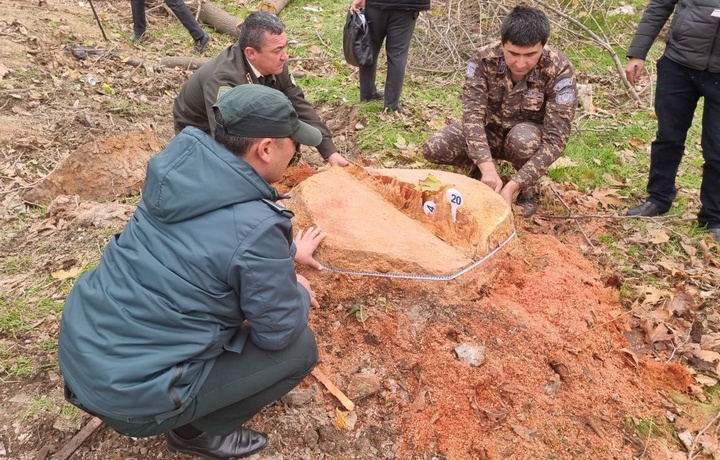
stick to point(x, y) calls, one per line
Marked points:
point(547, 96)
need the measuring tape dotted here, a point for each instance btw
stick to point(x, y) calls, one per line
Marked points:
point(423, 277)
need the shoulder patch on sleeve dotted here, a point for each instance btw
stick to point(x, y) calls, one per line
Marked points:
point(566, 97)
point(563, 83)
point(221, 91)
point(471, 68)
point(292, 79)
point(278, 208)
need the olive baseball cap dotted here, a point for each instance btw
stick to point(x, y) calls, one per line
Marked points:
point(259, 111)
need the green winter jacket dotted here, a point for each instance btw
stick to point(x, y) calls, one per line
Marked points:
point(203, 265)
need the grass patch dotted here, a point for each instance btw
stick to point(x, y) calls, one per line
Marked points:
point(19, 315)
point(44, 405)
point(17, 265)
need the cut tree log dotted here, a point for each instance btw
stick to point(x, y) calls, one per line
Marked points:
point(273, 6)
point(219, 19)
point(186, 62)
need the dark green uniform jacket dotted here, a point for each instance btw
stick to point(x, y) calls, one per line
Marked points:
point(202, 266)
point(193, 106)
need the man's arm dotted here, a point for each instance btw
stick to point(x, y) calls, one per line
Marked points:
point(306, 112)
point(214, 87)
point(275, 303)
point(475, 100)
point(653, 19)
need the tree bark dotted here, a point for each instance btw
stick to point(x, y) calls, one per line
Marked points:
point(273, 6)
point(219, 19)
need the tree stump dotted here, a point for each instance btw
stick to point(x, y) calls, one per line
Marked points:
point(219, 19)
point(273, 6)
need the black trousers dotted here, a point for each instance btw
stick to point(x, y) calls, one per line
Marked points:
point(237, 388)
point(396, 28)
point(178, 7)
point(679, 89)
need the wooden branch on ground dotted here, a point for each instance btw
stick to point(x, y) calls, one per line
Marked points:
point(78, 439)
point(318, 374)
point(219, 19)
point(273, 6)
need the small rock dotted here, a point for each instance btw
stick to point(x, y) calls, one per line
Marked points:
point(300, 397)
point(67, 425)
point(473, 355)
point(363, 385)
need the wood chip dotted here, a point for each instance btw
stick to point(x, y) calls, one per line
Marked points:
point(344, 400)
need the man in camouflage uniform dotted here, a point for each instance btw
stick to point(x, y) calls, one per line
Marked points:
point(259, 56)
point(519, 99)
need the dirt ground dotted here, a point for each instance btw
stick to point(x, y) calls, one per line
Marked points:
point(555, 380)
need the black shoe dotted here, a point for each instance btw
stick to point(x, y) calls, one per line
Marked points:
point(378, 96)
point(137, 36)
point(390, 109)
point(238, 444)
point(647, 209)
point(715, 232)
point(528, 200)
point(201, 44)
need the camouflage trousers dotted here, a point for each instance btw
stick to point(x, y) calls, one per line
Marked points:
point(517, 145)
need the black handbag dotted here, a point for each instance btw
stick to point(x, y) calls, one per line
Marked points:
point(356, 40)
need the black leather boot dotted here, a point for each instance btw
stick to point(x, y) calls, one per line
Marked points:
point(528, 200)
point(241, 443)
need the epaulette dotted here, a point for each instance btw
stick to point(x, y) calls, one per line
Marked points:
point(278, 208)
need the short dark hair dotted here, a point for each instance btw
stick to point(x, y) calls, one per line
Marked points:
point(236, 144)
point(525, 26)
point(252, 32)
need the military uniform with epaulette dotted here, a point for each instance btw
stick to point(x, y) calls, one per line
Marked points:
point(527, 124)
point(193, 106)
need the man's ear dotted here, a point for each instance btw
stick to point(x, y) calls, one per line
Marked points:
point(250, 53)
point(265, 149)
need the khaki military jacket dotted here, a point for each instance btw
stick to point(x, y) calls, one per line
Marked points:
point(193, 106)
point(492, 103)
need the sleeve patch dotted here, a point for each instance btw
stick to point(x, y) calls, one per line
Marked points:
point(471, 68)
point(222, 91)
point(564, 83)
point(292, 79)
point(566, 97)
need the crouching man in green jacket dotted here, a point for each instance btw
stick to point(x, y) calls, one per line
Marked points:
point(195, 319)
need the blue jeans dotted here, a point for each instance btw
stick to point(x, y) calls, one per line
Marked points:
point(678, 90)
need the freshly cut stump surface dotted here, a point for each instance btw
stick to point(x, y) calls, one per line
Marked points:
point(375, 220)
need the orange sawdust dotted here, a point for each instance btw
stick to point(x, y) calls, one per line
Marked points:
point(554, 382)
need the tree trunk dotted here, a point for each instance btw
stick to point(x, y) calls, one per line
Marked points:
point(219, 19)
point(185, 62)
point(273, 6)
